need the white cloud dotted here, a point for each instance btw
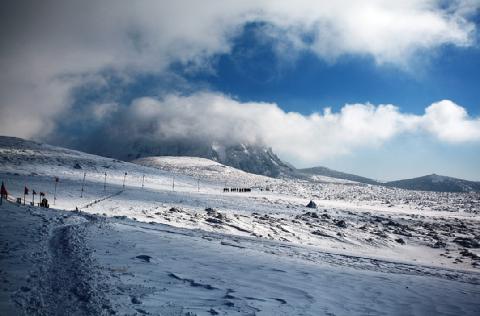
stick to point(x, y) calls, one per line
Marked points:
point(450, 122)
point(48, 47)
point(389, 31)
point(103, 110)
point(302, 139)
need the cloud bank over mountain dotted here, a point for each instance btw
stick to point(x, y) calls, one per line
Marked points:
point(212, 118)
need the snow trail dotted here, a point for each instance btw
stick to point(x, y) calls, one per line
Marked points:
point(71, 284)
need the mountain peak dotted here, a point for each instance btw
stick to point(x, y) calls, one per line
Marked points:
point(256, 159)
point(435, 182)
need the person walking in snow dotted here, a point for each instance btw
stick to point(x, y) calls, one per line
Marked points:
point(44, 203)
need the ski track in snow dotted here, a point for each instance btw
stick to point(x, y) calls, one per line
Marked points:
point(199, 251)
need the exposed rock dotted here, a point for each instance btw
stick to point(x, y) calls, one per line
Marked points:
point(215, 214)
point(467, 242)
point(311, 204)
point(213, 312)
point(392, 223)
point(467, 253)
point(321, 233)
point(341, 223)
point(439, 244)
point(402, 232)
point(145, 258)
point(380, 234)
point(213, 220)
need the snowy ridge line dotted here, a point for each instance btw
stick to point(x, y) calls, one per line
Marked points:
point(317, 256)
point(102, 199)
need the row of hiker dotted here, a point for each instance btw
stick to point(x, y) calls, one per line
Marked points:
point(237, 190)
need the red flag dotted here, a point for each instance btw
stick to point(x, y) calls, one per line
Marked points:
point(42, 194)
point(3, 190)
point(25, 191)
point(33, 192)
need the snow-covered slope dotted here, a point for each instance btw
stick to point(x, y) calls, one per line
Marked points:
point(230, 253)
point(28, 157)
point(73, 263)
point(35, 165)
point(326, 172)
point(207, 170)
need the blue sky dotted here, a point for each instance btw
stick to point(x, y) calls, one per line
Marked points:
point(307, 83)
point(384, 89)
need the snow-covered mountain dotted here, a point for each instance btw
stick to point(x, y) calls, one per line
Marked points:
point(323, 171)
point(431, 182)
point(250, 158)
point(254, 159)
point(437, 183)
